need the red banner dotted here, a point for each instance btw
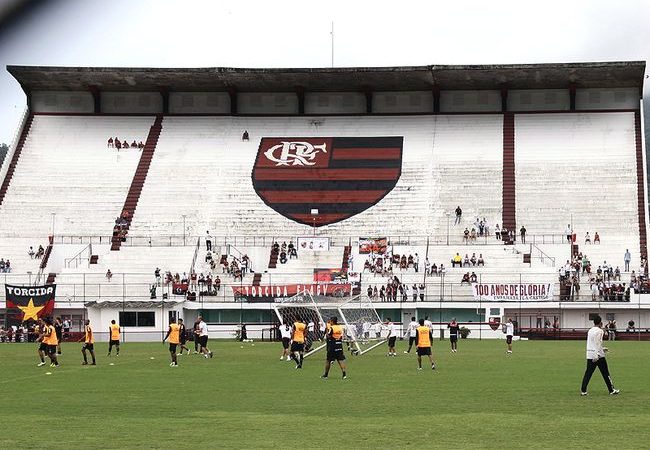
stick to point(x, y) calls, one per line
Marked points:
point(270, 293)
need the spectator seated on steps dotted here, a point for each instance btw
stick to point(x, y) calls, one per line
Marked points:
point(283, 257)
point(466, 261)
point(480, 261)
point(457, 260)
point(465, 279)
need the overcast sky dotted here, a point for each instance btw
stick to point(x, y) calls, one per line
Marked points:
point(203, 33)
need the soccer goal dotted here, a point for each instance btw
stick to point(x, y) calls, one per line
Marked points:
point(362, 323)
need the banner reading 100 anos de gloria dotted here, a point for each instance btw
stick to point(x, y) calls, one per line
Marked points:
point(525, 292)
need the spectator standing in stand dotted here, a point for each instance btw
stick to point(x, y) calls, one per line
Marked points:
point(568, 232)
point(208, 241)
point(627, 258)
point(459, 214)
point(522, 233)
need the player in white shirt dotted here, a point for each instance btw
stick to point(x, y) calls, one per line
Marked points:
point(392, 337)
point(428, 323)
point(596, 358)
point(311, 327)
point(510, 332)
point(203, 338)
point(411, 331)
point(285, 335)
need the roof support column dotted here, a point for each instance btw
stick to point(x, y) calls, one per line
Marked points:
point(368, 94)
point(232, 92)
point(97, 99)
point(504, 99)
point(164, 92)
point(300, 92)
point(436, 99)
point(572, 97)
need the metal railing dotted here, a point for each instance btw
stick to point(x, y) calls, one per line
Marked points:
point(179, 240)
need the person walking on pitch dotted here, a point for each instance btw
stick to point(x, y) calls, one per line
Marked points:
point(412, 333)
point(173, 333)
point(454, 329)
point(596, 358)
point(114, 333)
point(183, 338)
point(335, 348)
point(509, 329)
point(424, 339)
point(89, 344)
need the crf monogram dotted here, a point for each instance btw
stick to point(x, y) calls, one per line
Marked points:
point(294, 153)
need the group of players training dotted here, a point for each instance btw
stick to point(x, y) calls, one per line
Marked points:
point(420, 333)
point(50, 336)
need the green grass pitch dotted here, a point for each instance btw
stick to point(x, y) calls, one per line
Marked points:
point(247, 398)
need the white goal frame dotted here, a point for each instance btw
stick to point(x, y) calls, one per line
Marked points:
point(306, 300)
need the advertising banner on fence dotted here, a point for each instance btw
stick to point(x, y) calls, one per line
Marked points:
point(313, 244)
point(29, 302)
point(525, 292)
point(279, 292)
point(373, 245)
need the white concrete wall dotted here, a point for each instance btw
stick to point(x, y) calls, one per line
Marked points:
point(131, 102)
point(100, 320)
point(62, 101)
point(619, 98)
point(470, 101)
point(538, 100)
point(335, 103)
point(402, 102)
point(199, 102)
point(267, 103)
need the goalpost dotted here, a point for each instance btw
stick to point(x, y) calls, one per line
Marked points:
point(358, 315)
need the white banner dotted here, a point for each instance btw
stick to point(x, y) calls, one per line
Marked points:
point(313, 244)
point(525, 292)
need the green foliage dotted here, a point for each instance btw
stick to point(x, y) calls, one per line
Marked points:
point(248, 398)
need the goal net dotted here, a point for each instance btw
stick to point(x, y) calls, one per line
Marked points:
point(362, 324)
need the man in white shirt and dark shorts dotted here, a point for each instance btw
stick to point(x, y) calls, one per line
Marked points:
point(510, 332)
point(203, 338)
point(412, 333)
point(596, 358)
point(285, 335)
point(392, 337)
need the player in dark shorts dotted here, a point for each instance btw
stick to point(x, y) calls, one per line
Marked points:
point(335, 348)
point(454, 330)
point(58, 328)
point(42, 347)
point(424, 340)
point(183, 337)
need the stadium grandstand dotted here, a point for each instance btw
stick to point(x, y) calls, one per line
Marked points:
point(475, 192)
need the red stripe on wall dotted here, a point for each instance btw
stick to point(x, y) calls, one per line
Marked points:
point(367, 153)
point(508, 218)
point(319, 219)
point(326, 174)
point(640, 188)
point(322, 196)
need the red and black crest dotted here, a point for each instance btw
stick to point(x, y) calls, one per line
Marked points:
point(495, 323)
point(319, 181)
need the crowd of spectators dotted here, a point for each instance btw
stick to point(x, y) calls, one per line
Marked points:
point(383, 264)
point(5, 266)
point(121, 227)
point(116, 143)
point(467, 261)
point(284, 252)
point(394, 290)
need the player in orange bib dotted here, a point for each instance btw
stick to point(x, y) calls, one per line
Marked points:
point(114, 339)
point(298, 342)
point(89, 343)
point(423, 343)
point(174, 335)
point(51, 341)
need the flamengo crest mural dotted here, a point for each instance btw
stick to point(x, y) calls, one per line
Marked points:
point(338, 176)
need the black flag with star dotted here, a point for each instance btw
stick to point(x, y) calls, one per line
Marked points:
point(25, 303)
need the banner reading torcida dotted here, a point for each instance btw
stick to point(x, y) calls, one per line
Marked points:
point(525, 292)
point(26, 303)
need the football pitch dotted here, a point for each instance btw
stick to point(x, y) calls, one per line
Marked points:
point(247, 398)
